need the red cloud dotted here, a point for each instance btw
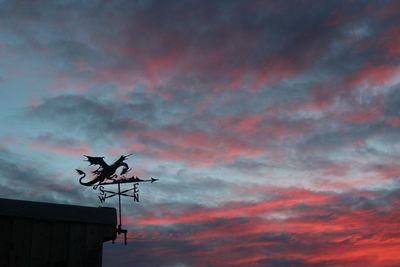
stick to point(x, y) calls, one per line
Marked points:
point(70, 149)
point(392, 40)
point(394, 122)
point(200, 148)
point(244, 125)
point(364, 116)
point(263, 123)
point(275, 71)
point(286, 199)
point(296, 225)
point(372, 75)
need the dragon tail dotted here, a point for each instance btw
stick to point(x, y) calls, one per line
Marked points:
point(83, 176)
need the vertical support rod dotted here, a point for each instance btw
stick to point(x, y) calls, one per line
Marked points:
point(119, 229)
point(119, 206)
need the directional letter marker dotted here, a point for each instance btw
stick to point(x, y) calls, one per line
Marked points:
point(105, 176)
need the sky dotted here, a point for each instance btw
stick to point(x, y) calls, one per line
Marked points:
point(272, 126)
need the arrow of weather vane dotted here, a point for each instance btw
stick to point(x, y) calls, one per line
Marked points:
point(105, 175)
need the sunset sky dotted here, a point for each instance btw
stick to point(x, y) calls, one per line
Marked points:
point(272, 126)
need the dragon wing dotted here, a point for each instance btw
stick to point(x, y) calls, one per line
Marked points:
point(97, 161)
point(121, 159)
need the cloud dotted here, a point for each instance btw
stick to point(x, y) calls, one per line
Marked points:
point(21, 178)
point(294, 226)
point(152, 46)
point(53, 144)
point(392, 100)
point(99, 120)
point(241, 109)
point(83, 115)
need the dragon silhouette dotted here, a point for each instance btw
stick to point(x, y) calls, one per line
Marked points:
point(104, 171)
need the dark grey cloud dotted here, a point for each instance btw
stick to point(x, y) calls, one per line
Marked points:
point(21, 178)
point(99, 119)
point(339, 137)
point(57, 140)
point(248, 165)
point(99, 116)
point(211, 38)
point(392, 102)
point(77, 112)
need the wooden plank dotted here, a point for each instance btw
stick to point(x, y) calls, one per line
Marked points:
point(94, 243)
point(5, 241)
point(41, 238)
point(21, 238)
point(76, 245)
point(59, 244)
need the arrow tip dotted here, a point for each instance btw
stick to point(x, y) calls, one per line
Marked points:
point(153, 180)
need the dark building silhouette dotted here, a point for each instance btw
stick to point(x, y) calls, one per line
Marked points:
point(46, 234)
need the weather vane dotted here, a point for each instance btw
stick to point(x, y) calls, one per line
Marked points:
point(105, 175)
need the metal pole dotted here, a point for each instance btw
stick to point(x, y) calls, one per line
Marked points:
point(119, 205)
point(119, 229)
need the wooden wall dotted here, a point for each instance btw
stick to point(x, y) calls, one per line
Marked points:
point(32, 242)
